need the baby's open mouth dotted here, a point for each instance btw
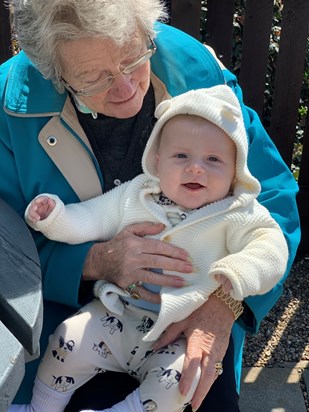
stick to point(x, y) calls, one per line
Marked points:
point(193, 186)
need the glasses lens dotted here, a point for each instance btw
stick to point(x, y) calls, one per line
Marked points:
point(105, 83)
point(138, 63)
point(98, 87)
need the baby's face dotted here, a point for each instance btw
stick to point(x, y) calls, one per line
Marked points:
point(195, 161)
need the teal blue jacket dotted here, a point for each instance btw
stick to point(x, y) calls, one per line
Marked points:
point(32, 105)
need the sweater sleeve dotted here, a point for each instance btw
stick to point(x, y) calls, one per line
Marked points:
point(94, 219)
point(258, 255)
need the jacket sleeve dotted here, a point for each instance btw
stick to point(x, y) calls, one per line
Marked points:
point(61, 264)
point(61, 276)
point(278, 195)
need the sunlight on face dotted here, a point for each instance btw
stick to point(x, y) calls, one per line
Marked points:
point(195, 161)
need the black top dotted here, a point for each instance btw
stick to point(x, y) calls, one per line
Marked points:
point(118, 144)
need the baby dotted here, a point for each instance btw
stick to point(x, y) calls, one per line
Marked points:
point(197, 183)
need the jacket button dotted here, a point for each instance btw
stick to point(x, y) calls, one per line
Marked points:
point(167, 239)
point(51, 140)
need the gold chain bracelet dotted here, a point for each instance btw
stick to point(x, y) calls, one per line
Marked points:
point(235, 305)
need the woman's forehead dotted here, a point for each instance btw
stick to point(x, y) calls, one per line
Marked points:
point(78, 55)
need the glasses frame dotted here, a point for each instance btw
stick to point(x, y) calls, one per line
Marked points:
point(129, 68)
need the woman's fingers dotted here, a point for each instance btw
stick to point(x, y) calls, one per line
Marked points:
point(128, 258)
point(152, 246)
point(172, 280)
point(207, 331)
point(149, 296)
point(201, 353)
point(207, 340)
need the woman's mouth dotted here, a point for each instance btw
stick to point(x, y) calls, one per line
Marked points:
point(126, 100)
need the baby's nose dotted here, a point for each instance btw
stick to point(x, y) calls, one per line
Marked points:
point(195, 167)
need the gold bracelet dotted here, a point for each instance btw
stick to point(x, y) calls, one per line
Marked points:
point(235, 305)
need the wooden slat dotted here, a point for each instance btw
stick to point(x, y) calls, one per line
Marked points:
point(5, 34)
point(12, 367)
point(255, 50)
point(220, 28)
point(289, 75)
point(21, 307)
point(185, 15)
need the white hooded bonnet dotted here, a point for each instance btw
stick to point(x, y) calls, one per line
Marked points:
point(220, 106)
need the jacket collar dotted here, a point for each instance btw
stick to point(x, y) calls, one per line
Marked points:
point(20, 99)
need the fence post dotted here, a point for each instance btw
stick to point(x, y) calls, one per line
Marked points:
point(5, 33)
point(185, 15)
point(220, 28)
point(289, 75)
point(256, 36)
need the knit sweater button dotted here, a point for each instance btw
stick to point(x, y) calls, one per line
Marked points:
point(167, 239)
point(117, 182)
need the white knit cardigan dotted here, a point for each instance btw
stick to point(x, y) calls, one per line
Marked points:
point(235, 237)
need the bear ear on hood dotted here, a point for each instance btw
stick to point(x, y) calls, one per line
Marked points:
point(229, 112)
point(162, 108)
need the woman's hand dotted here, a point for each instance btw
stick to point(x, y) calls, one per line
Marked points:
point(207, 331)
point(126, 258)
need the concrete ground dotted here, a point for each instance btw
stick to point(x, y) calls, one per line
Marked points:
point(275, 389)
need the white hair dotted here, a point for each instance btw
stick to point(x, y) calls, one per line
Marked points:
point(41, 25)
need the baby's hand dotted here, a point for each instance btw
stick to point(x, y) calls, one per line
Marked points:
point(40, 208)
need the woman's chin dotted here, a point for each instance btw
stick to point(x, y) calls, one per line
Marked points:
point(123, 110)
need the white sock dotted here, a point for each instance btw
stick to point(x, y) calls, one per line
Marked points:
point(44, 399)
point(130, 404)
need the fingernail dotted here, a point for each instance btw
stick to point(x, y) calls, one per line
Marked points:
point(183, 283)
point(188, 267)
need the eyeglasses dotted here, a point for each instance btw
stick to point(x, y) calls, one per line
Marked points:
point(103, 84)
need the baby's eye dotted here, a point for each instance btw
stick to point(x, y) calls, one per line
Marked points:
point(181, 156)
point(213, 159)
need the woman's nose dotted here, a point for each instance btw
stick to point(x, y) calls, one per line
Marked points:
point(122, 86)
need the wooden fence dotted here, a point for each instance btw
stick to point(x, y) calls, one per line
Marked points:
point(186, 15)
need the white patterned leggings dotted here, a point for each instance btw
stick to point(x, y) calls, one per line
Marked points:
point(95, 340)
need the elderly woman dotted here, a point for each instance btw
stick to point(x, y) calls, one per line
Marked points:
point(78, 107)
